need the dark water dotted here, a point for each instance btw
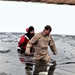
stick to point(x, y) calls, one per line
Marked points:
point(12, 63)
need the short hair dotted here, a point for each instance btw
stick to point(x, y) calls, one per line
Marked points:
point(48, 27)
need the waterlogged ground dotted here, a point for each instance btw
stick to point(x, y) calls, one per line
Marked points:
point(12, 63)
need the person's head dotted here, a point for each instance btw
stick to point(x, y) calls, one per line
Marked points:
point(47, 29)
point(31, 30)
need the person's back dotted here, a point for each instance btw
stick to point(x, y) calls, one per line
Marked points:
point(25, 38)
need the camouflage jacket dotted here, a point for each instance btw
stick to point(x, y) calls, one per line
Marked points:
point(41, 42)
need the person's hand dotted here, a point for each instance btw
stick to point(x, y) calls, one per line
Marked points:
point(27, 52)
point(55, 52)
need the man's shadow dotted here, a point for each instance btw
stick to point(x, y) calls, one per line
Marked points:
point(42, 66)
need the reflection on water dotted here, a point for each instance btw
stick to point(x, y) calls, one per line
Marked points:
point(42, 66)
point(51, 70)
point(29, 69)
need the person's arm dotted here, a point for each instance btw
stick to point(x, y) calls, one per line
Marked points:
point(52, 46)
point(33, 40)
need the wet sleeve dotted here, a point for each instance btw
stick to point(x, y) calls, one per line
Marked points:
point(52, 45)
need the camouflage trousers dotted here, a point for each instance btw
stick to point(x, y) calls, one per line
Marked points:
point(45, 57)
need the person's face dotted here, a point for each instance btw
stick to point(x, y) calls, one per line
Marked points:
point(32, 32)
point(47, 32)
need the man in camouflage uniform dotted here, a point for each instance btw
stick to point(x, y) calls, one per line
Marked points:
point(40, 42)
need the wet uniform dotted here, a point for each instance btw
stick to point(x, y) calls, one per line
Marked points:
point(40, 43)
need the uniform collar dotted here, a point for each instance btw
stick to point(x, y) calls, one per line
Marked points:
point(44, 34)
